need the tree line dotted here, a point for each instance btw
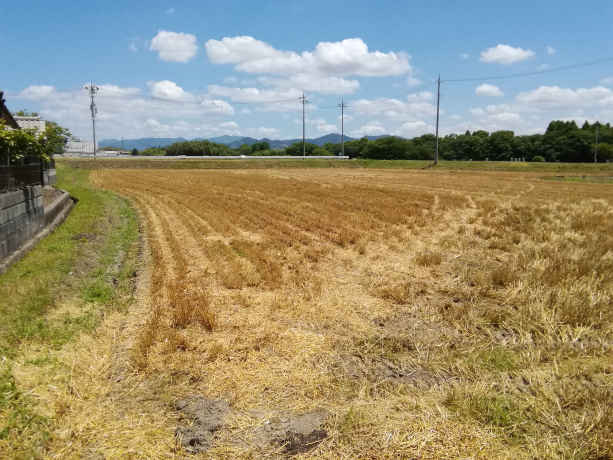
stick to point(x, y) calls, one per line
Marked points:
point(563, 141)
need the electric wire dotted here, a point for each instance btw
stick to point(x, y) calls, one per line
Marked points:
point(537, 72)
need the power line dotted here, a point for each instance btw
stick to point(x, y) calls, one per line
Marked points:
point(415, 90)
point(538, 72)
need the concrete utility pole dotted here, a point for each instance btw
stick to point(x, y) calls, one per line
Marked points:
point(438, 104)
point(342, 106)
point(92, 89)
point(596, 148)
point(304, 103)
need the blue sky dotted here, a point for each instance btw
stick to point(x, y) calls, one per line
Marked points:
point(187, 68)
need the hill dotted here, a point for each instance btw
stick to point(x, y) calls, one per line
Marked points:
point(231, 141)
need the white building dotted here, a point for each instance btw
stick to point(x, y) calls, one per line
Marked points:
point(76, 146)
point(30, 123)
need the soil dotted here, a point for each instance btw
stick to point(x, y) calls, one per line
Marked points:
point(205, 416)
point(375, 370)
point(50, 194)
point(297, 434)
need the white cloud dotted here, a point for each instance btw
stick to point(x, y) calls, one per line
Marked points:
point(245, 111)
point(413, 128)
point(327, 129)
point(607, 81)
point(348, 118)
point(255, 94)
point(174, 46)
point(542, 67)
point(262, 132)
point(323, 85)
point(500, 108)
point(464, 56)
point(169, 90)
point(287, 97)
point(348, 57)
point(170, 11)
point(455, 117)
point(488, 90)
point(421, 96)
point(505, 54)
point(185, 129)
point(550, 50)
point(478, 112)
point(415, 107)
point(311, 121)
point(125, 111)
point(412, 81)
point(507, 117)
point(373, 128)
point(228, 80)
point(132, 46)
point(554, 96)
point(228, 125)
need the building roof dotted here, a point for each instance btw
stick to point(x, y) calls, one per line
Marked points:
point(6, 115)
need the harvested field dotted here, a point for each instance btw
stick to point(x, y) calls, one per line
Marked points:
point(386, 314)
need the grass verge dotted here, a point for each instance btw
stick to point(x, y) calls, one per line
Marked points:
point(61, 288)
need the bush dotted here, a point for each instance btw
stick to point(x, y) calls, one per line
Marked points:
point(538, 159)
point(153, 151)
point(198, 148)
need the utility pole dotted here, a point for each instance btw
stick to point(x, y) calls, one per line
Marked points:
point(438, 104)
point(342, 106)
point(304, 103)
point(122, 143)
point(596, 148)
point(92, 89)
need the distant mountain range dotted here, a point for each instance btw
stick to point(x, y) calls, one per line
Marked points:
point(231, 141)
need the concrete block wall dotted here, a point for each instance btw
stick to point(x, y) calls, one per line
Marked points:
point(50, 177)
point(21, 217)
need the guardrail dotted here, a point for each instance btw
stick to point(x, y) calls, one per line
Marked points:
point(19, 176)
point(236, 157)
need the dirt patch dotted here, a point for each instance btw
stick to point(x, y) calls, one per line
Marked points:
point(205, 416)
point(84, 237)
point(50, 194)
point(377, 369)
point(408, 327)
point(297, 434)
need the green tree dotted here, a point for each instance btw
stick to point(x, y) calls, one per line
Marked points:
point(153, 152)
point(134, 152)
point(333, 149)
point(258, 146)
point(198, 148)
point(500, 145)
point(244, 149)
point(20, 143)
point(358, 148)
point(389, 148)
point(605, 152)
